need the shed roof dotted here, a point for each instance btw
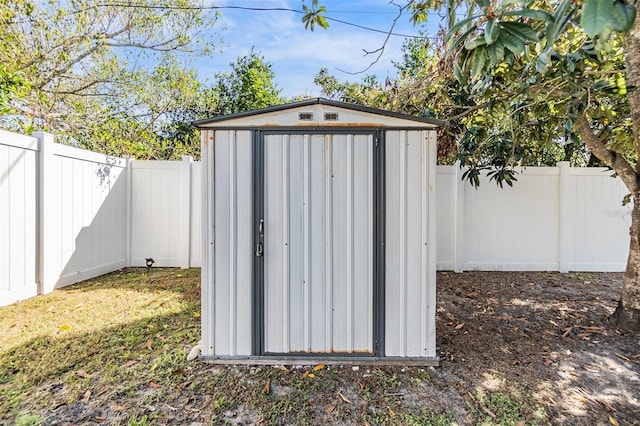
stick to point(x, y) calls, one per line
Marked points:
point(317, 112)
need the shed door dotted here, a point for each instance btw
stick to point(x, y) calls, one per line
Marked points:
point(318, 243)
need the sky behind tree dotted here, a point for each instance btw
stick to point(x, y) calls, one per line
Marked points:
point(298, 54)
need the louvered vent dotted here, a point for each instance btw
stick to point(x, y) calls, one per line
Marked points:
point(330, 116)
point(305, 116)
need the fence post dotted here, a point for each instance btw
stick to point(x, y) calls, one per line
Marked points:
point(564, 217)
point(185, 212)
point(129, 211)
point(458, 217)
point(46, 199)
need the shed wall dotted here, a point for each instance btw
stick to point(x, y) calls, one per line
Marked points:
point(233, 242)
point(410, 244)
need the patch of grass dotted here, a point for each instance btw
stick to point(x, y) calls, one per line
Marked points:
point(28, 420)
point(116, 333)
point(512, 407)
point(426, 416)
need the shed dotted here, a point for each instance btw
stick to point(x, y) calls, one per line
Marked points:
point(318, 235)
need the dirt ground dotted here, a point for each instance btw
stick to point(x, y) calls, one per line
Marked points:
point(546, 332)
point(515, 348)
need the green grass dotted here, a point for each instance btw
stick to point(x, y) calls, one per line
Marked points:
point(114, 348)
point(515, 406)
point(107, 336)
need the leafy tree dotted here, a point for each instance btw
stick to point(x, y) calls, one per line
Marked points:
point(521, 59)
point(250, 85)
point(92, 66)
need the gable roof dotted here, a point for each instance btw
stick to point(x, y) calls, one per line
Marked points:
point(318, 112)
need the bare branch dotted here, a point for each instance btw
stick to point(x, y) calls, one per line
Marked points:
point(381, 49)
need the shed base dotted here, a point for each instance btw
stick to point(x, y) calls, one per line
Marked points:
point(329, 360)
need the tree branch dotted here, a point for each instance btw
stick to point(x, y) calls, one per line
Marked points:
point(616, 161)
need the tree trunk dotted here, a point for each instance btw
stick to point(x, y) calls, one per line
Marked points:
point(627, 314)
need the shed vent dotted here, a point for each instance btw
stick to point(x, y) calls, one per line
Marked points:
point(331, 116)
point(305, 116)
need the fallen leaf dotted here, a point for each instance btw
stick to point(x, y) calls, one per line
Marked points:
point(86, 396)
point(196, 315)
point(283, 368)
point(118, 408)
point(179, 372)
point(344, 398)
point(613, 421)
point(154, 385)
point(318, 367)
point(459, 326)
point(522, 423)
point(330, 409)
point(98, 419)
point(129, 363)
point(391, 412)
point(82, 373)
point(65, 327)
point(267, 387)
point(548, 362)
point(311, 376)
point(149, 344)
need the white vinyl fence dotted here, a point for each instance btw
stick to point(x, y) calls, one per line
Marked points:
point(552, 219)
point(67, 214)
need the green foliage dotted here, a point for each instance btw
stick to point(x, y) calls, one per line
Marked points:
point(12, 87)
point(313, 16)
point(250, 85)
point(103, 76)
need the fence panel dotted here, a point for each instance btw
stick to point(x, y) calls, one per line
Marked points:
point(85, 218)
point(18, 217)
point(553, 218)
point(165, 223)
point(513, 228)
point(597, 223)
point(446, 198)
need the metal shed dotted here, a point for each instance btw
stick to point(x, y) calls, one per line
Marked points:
point(319, 235)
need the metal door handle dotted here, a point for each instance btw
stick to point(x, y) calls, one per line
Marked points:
point(259, 250)
point(261, 228)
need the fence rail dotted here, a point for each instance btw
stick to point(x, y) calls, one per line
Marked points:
point(68, 214)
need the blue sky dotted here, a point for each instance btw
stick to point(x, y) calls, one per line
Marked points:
point(298, 54)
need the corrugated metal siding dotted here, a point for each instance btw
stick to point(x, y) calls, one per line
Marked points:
point(233, 242)
point(410, 287)
point(318, 239)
